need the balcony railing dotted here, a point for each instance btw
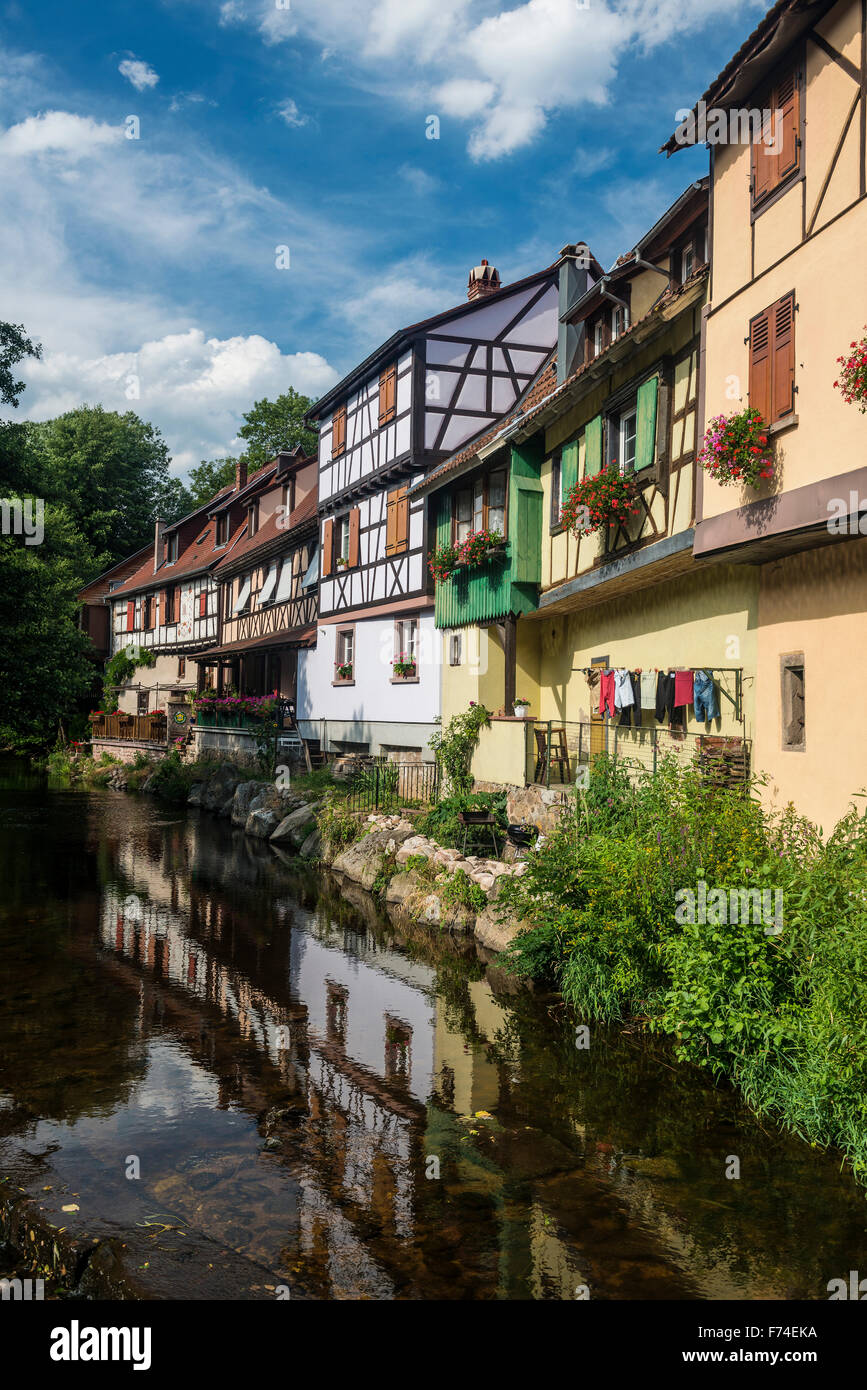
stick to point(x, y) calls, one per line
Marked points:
point(129, 728)
point(562, 748)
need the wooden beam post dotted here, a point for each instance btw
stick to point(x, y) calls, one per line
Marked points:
point(510, 650)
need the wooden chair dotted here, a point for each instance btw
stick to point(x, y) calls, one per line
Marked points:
point(554, 754)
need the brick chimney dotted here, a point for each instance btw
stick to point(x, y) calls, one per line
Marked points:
point(240, 474)
point(484, 279)
point(159, 528)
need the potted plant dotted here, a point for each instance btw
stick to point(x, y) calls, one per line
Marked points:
point(596, 502)
point(404, 666)
point(736, 449)
point(478, 547)
point(343, 671)
point(442, 562)
point(522, 708)
point(853, 377)
point(342, 562)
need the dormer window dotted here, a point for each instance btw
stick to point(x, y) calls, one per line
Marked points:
point(687, 262)
point(171, 548)
point(598, 337)
point(289, 497)
point(252, 519)
point(617, 322)
point(222, 534)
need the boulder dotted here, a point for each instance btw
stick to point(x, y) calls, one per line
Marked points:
point(219, 787)
point(429, 910)
point(242, 799)
point(401, 887)
point(494, 934)
point(296, 826)
point(415, 844)
point(263, 816)
point(195, 796)
point(362, 860)
point(312, 846)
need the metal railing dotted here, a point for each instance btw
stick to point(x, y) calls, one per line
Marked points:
point(386, 786)
point(561, 747)
point(130, 728)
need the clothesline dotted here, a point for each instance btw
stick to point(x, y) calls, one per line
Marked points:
point(666, 692)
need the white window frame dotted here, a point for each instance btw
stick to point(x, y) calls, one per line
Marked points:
point(631, 414)
point(688, 251)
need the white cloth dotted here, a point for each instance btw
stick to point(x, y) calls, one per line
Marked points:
point(623, 696)
point(648, 690)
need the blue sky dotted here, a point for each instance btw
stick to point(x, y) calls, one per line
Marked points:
point(147, 267)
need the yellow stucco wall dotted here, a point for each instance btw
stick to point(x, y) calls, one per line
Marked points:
point(815, 603)
point(481, 673)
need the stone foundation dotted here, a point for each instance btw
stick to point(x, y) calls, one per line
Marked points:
point(542, 806)
point(125, 751)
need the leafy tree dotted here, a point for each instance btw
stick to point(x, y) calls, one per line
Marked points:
point(273, 425)
point(175, 501)
point(208, 478)
point(14, 345)
point(111, 471)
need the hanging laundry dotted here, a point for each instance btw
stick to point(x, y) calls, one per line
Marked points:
point(606, 692)
point(592, 674)
point(665, 700)
point(623, 695)
point(706, 701)
point(683, 682)
point(632, 711)
point(648, 690)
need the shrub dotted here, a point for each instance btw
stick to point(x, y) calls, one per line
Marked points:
point(441, 822)
point(455, 745)
point(458, 890)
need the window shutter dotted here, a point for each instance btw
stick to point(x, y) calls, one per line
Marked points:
point(354, 534)
point(645, 425)
point(130, 615)
point(786, 106)
point(402, 519)
point(387, 390)
point(783, 374)
point(327, 546)
point(338, 431)
point(568, 468)
point(391, 523)
point(593, 447)
point(203, 603)
point(760, 364)
point(764, 163)
point(526, 531)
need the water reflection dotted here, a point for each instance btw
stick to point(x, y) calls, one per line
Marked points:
point(361, 1112)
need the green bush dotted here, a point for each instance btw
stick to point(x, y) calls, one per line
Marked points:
point(441, 822)
point(458, 890)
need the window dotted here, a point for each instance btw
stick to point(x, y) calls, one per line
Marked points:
point(142, 701)
point(148, 612)
point(341, 538)
point(480, 507)
point(243, 596)
point(397, 522)
point(405, 665)
point(387, 394)
point(284, 587)
point(252, 519)
point(455, 644)
point(344, 664)
point(794, 728)
point(289, 497)
point(617, 321)
point(598, 337)
point(172, 610)
point(171, 548)
point(130, 615)
point(687, 262)
point(267, 589)
point(203, 604)
point(627, 436)
point(776, 151)
point(222, 535)
point(182, 667)
point(772, 360)
point(338, 431)
point(556, 490)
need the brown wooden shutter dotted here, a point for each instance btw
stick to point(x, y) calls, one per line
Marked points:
point(783, 373)
point(387, 393)
point(402, 536)
point(787, 104)
point(203, 603)
point(354, 535)
point(327, 547)
point(161, 620)
point(764, 168)
point(760, 364)
point(130, 615)
point(338, 433)
point(391, 523)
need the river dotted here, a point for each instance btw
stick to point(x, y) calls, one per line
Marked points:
point(199, 1036)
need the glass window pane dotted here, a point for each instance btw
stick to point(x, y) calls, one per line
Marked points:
point(479, 505)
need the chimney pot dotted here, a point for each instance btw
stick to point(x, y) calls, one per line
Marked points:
point(484, 280)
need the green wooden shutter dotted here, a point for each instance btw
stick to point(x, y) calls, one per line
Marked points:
point(525, 531)
point(645, 425)
point(593, 447)
point(568, 467)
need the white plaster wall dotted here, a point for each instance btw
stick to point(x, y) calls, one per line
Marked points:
point(373, 698)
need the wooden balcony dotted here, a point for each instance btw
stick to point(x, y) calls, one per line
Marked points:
point(129, 728)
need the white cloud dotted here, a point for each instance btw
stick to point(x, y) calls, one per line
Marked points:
point(288, 112)
point(195, 388)
point(464, 96)
point(139, 73)
point(422, 183)
point(58, 132)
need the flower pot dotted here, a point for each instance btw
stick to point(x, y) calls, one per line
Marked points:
point(522, 711)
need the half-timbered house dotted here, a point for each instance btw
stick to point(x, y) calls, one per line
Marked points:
point(787, 297)
point(268, 582)
point(373, 682)
point(169, 605)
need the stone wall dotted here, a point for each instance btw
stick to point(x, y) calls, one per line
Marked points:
point(125, 751)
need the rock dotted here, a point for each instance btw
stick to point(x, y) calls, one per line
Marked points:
point(295, 826)
point(362, 860)
point(312, 846)
point(494, 934)
point(415, 844)
point(243, 797)
point(485, 881)
point(401, 887)
point(219, 787)
point(429, 910)
point(264, 814)
point(195, 796)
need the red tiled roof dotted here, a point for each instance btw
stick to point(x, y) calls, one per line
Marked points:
point(270, 531)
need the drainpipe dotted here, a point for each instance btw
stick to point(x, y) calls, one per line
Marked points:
point(602, 285)
point(648, 265)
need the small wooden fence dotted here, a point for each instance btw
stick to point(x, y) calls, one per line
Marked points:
point(130, 728)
